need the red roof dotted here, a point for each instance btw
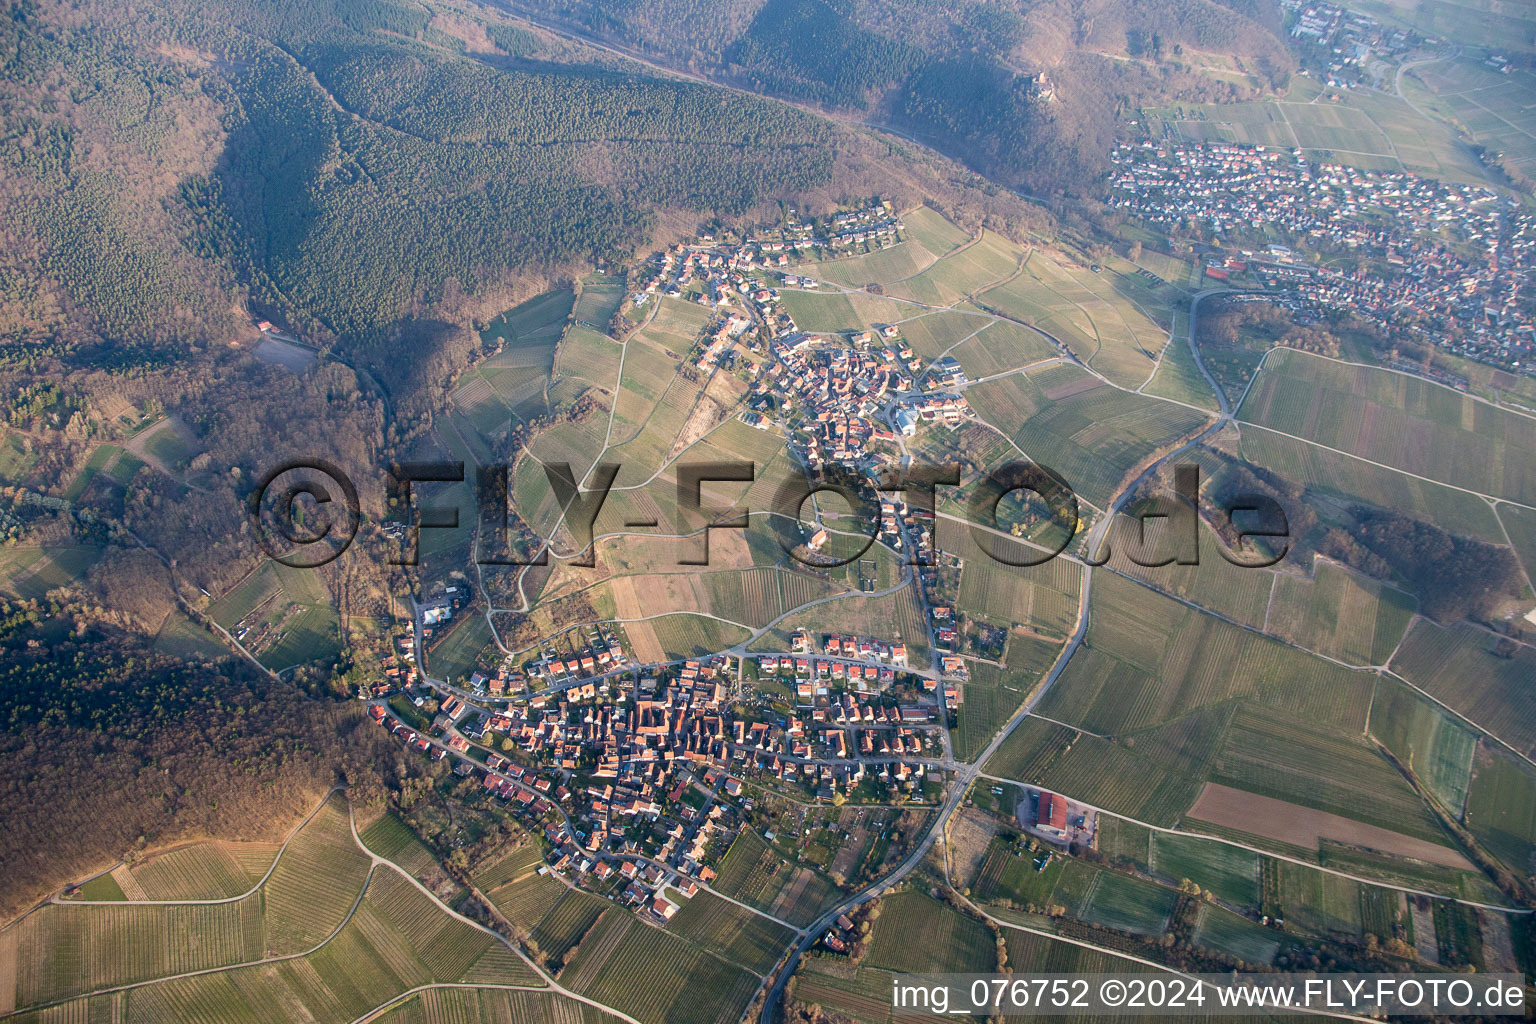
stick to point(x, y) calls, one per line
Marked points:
point(1053, 811)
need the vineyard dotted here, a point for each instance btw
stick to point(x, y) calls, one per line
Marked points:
point(1333, 772)
point(1437, 748)
point(1399, 420)
point(655, 976)
point(315, 884)
point(738, 935)
point(1462, 667)
point(1340, 614)
point(915, 933)
point(205, 871)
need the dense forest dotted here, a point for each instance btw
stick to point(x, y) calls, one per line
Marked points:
point(107, 748)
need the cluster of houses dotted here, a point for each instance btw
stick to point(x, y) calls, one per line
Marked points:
point(1445, 262)
point(1349, 44)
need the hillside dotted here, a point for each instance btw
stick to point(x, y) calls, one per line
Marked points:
point(1025, 92)
point(343, 167)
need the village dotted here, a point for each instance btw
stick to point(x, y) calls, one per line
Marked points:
point(638, 779)
point(1444, 263)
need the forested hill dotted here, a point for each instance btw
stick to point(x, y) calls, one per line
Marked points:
point(343, 165)
point(961, 73)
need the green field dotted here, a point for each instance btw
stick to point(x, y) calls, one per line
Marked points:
point(287, 612)
point(1229, 873)
point(1398, 420)
point(1436, 747)
point(821, 312)
point(532, 325)
point(1501, 808)
point(1043, 597)
point(566, 922)
point(457, 654)
point(1236, 936)
point(1128, 904)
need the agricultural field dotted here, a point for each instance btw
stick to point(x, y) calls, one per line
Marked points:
point(462, 1005)
point(1095, 315)
point(993, 694)
point(1226, 932)
point(1178, 378)
point(1501, 808)
point(1335, 132)
point(393, 839)
point(455, 656)
point(1002, 346)
point(204, 871)
point(1042, 597)
point(1128, 904)
point(616, 964)
point(1331, 771)
point(1470, 671)
point(1094, 770)
point(917, 934)
point(315, 884)
point(1398, 420)
point(1435, 746)
point(1331, 474)
point(282, 615)
point(896, 616)
point(934, 334)
point(1229, 873)
point(598, 301)
point(821, 312)
point(1316, 901)
point(933, 231)
point(1008, 875)
point(884, 266)
point(1089, 433)
point(1124, 680)
point(1520, 524)
point(565, 924)
point(738, 935)
point(1490, 106)
point(1340, 614)
point(962, 273)
point(31, 572)
point(353, 936)
point(1235, 592)
point(754, 874)
point(533, 325)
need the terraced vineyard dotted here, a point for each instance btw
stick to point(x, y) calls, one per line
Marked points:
point(235, 962)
